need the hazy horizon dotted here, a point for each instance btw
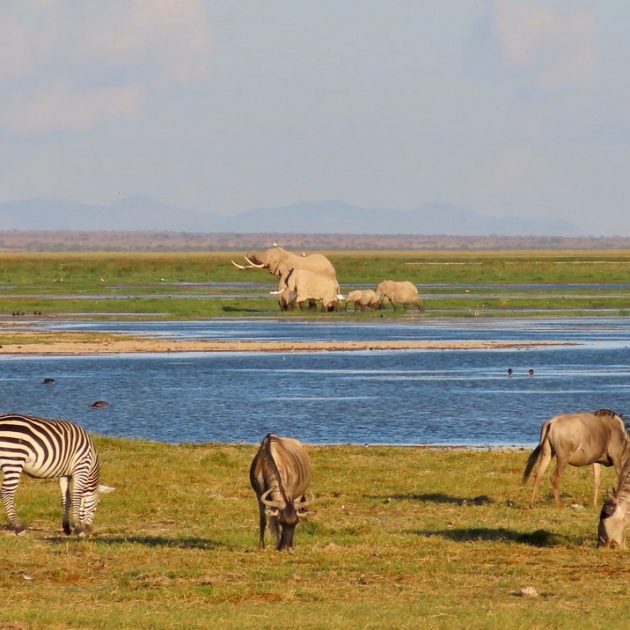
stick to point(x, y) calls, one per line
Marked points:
point(508, 109)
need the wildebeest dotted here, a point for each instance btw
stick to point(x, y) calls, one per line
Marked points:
point(280, 474)
point(612, 519)
point(578, 439)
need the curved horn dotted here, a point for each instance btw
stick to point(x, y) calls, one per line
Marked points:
point(279, 505)
point(303, 503)
point(253, 264)
point(237, 265)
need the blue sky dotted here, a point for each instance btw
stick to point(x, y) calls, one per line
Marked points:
point(505, 107)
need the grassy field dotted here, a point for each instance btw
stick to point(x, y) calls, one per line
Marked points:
point(401, 538)
point(198, 286)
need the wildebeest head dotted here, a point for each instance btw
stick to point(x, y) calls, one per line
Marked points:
point(287, 515)
point(612, 521)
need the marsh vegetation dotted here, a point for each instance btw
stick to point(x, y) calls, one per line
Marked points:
point(206, 285)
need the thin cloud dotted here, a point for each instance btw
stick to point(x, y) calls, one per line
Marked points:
point(62, 108)
point(100, 60)
point(559, 49)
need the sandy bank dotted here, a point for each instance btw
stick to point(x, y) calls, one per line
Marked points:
point(121, 346)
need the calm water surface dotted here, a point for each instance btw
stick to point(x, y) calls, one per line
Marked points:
point(397, 397)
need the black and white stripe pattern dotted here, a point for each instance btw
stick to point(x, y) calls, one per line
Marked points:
point(49, 449)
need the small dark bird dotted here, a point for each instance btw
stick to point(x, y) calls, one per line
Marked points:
point(48, 381)
point(530, 372)
point(99, 403)
point(510, 371)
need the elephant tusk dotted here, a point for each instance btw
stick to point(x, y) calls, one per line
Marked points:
point(341, 297)
point(238, 266)
point(275, 292)
point(253, 264)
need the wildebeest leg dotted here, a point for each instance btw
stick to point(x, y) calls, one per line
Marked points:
point(555, 480)
point(545, 458)
point(274, 527)
point(66, 502)
point(597, 478)
point(262, 524)
point(7, 494)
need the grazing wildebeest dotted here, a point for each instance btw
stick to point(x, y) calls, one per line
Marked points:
point(612, 519)
point(578, 439)
point(280, 474)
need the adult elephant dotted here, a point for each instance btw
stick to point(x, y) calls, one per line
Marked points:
point(279, 262)
point(399, 293)
point(305, 288)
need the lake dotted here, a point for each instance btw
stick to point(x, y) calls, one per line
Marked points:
point(438, 397)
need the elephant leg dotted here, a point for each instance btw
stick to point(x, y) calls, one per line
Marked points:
point(66, 503)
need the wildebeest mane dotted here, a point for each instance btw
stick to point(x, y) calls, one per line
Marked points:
point(605, 412)
point(610, 412)
point(268, 456)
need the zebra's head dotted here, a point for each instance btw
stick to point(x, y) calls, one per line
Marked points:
point(89, 503)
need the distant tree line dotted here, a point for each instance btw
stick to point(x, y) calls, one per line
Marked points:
point(52, 241)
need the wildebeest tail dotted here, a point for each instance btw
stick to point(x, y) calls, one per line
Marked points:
point(531, 462)
point(535, 454)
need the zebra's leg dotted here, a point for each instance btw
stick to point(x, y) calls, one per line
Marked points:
point(66, 502)
point(78, 488)
point(10, 483)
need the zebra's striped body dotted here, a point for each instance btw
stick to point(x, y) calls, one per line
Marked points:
point(49, 449)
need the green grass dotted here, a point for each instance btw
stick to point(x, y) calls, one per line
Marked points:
point(402, 537)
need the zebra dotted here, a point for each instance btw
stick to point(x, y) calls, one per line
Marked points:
point(48, 449)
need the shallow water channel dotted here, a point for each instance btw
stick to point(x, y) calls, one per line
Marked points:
point(447, 397)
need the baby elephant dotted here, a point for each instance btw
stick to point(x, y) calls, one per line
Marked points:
point(402, 293)
point(363, 299)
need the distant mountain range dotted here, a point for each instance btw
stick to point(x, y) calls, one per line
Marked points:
point(318, 217)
